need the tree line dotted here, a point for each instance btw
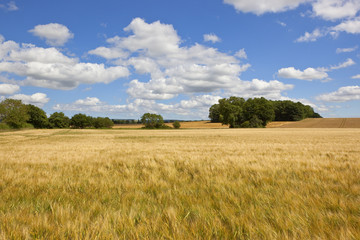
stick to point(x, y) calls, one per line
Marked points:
point(15, 114)
point(257, 112)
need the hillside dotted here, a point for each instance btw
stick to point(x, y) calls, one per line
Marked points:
point(319, 123)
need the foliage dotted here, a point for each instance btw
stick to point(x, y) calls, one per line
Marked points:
point(257, 112)
point(231, 111)
point(101, 122)
point(81, 121)
point(4, 126)
point(13, 113)
point(151, 120)
point(58, 120)
point(37, 117)
point(214, 113)
point(176, 124)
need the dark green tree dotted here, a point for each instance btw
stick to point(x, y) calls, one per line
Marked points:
point(231, 111)
point(59, 120)
point(151, 120)
point(14, 113)
point(214, 113)
point(101, 122)
point(176, 124)
point(37, 117)
point(81, 121)
point(259, 109)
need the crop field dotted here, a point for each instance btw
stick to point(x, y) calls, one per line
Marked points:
point(180, 184)
point(324, 123)
point(193, 124)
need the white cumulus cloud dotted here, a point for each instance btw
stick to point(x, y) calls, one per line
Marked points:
point(349, 62)
point(335, 9)
point(48, 67)
point(263, 6)
point(55, 34)
point(211, 38)
point(173, 69)
point(308, 74)
point(8, 89)
point(343, 94)
point(37, 99)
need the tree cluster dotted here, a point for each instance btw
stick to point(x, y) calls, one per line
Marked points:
point(257, 112)
point(153, 121)
point(15, 114)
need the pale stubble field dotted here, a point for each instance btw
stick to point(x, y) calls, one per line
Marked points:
point(180, 184)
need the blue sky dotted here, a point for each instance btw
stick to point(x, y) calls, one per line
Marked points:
point(123, 58)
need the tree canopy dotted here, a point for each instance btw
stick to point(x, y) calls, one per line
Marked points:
point(59, 120)
point(257, 112)
point(13, 113)
point(151, 120)
point(37, 117)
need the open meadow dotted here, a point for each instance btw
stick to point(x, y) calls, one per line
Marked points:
point(180, 184)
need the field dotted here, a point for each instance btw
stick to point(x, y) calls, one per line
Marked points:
point(306, 123)
point(323, 123)
point(180, 184)
point(191, 125)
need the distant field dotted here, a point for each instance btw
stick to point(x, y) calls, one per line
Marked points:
point(324, 123)
point(174, 184)
point(307, 123)
point(195, 124)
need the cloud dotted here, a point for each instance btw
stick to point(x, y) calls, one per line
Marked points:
point(195, 107)
point(260, 88)
point(37, 99)
point(347, 63)
point(346, 50)
point(343, 94)
point(89, 101)
point(55, 34)
point(308, 74)
point(49, 68)
point(154, 50)
point(281, 23)
point(211, 38)
point(259, 7)
point(356, 76)
point(350, 26)
point(8, 89)
point(335, 9)
point(311, 37)
point(10, 6)
point(241, 54)
point(109, 53)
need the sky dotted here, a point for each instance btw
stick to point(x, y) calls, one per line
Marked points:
point(122, 58)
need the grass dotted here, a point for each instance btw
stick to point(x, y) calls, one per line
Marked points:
point(180, 184)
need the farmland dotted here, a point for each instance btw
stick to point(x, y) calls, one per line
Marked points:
point(180, 184)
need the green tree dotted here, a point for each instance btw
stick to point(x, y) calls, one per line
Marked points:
point(81, 121)
point(37, 117)
point(13, 113)
point(258, 109)
point(176, 124)
point(214, 113)
point(101, 122)
point(231, 111)
point(58, 120)
point(151, 120)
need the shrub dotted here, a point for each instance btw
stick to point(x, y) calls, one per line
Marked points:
point(176, 124)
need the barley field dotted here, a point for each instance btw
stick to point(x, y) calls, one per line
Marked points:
point(320, 123)
point(180, 184)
